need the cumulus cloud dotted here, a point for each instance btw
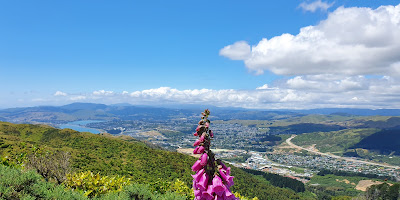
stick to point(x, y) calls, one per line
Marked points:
point(264, 87)
point(298, 92)
point(103, 93)
point(59, 93)
point(318, 84)
point(351, 41)
point(237, 51)
point(316, 5)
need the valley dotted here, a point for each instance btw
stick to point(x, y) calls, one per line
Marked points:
point(314, 149)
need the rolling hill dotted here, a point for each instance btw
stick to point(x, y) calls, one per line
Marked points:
point(126, 156)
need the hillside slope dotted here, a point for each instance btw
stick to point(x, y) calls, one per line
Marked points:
point(110, 155)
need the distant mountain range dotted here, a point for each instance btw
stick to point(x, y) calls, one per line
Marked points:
point(353, 111)
point(92, 111)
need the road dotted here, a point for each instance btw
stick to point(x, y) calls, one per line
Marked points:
point(289, 142)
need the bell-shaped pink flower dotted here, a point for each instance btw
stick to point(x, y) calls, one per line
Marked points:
point(228, 195)
point(203, 182)
point(226, 178)
point(201, 139)
point(197, 166)
point(196, 143)
point(208, 125)
point(195, 150)
point(195, 134)
point(198, 128)
point(227, 169)
point(218, 187)
point(211, 133)
point(197, 193)
point(203, 159)
point(200, 150)
point(207, 195)
point(218, 197)
point(195, 185)
point(198, 175)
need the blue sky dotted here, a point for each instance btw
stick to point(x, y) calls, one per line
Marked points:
point(153, 52)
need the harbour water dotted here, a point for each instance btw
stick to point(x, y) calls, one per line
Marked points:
point(80, 126)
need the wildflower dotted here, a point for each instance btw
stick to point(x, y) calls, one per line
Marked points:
point(203, 182)
point(208, 195)
point(203, 159)
point(212, 179)
point(228, 180)
point(218, 187)
point(198, 175)
point(200, 150)
point(196, 166)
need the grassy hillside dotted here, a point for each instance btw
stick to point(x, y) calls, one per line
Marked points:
point(18, 184)
point(385, 142)
point(336, 141)
point(115, 156)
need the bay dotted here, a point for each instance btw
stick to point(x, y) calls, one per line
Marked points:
point(80, 126)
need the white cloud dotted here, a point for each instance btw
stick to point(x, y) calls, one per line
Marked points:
point(351, 41)
point(103, 93)
point(314, 6)
point(330, 84)
point(264, 87)
point(237, 51)
point(298, 92)
point(59, 93)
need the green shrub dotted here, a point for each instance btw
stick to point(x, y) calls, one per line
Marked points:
point(142, 192)
point(92, 185)
point(51, 165)
point(15, 184)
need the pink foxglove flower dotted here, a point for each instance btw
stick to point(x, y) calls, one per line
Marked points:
point(203, 182)
point(197, 193)
point(218, 197)
point(200, 150)
point(203, 159)
point(218, 187)
point(202, 138)
point(226, 178)
point(197, 143)
point(212, 179)
point(228, 195)
point(227, 169)
point(195, 150)
point(197, 166)
point(198, 175)
point(208, 195)
point(195, 186)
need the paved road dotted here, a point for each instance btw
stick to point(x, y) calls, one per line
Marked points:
point(338, 157)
